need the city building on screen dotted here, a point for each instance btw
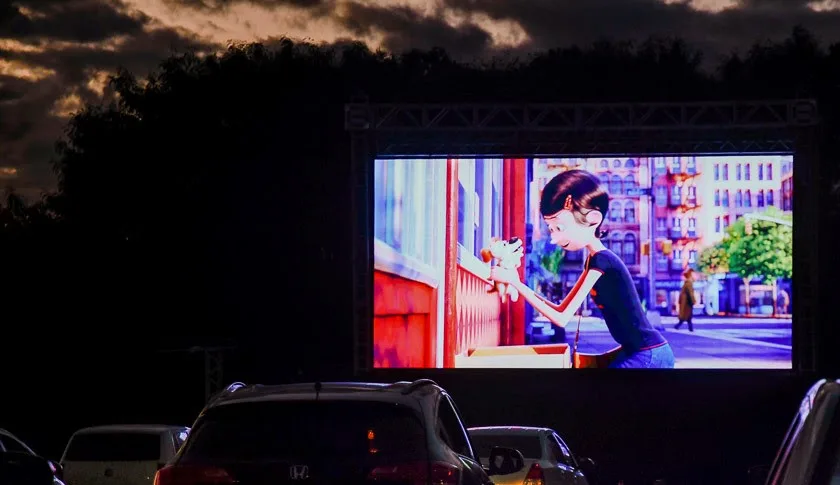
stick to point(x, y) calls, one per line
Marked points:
point(694, 200)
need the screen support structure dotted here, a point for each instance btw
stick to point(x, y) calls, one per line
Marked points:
point(588, 130)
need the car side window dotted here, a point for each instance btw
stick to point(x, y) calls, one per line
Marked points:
point(566, 455)
point(450, 429)
point(555, 451)
point(12, 445)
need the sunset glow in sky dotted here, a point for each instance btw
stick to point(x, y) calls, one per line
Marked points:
point(56, 55)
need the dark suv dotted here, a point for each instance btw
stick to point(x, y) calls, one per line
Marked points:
point(406, 433)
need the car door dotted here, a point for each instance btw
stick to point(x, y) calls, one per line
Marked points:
point(451, 431)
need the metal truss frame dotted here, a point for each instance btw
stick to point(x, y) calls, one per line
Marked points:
point(544, 130)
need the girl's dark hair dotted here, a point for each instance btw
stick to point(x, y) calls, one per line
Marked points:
point(586, 192)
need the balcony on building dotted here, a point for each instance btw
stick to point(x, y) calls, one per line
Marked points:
point(675, 233)
point(676, 265)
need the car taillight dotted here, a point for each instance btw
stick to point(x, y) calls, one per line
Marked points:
point(192, 475)
point(535, 475)
point(418, 473)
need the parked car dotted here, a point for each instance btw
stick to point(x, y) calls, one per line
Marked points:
point(810, 452)
point(548, 460)
point(120, 454)
point(332, 433)
point(20, 465)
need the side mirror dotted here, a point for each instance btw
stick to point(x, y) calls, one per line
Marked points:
point(57, 469)
point(589, 468)
point(504, 461)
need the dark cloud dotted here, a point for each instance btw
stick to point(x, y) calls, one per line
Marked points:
point(29, 126)
point(70, 20)
point(404, 28)
point(557, 23)
point(224, 4)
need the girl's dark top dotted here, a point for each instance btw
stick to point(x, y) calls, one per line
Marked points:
point(615, 295)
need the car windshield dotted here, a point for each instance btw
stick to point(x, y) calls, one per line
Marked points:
point(530, 445)
point(268, 431)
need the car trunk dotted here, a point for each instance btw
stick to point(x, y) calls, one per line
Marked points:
point(113, 458)
point(324, 442)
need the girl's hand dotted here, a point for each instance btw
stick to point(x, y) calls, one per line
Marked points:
point(506, 276)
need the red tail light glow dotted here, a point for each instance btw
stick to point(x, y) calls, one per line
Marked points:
point(535, 475)
point(192, 475)
point(416, 473)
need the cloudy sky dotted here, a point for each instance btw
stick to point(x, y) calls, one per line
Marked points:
point(56, 54)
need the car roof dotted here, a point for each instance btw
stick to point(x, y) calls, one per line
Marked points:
point(400, 392)
point(514, 430)
point(130, 428)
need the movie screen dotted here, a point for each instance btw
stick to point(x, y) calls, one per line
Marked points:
point(620, 262)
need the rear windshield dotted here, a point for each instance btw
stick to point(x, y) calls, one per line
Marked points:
point(530, 445)
point(122, 446)
point(273, 431)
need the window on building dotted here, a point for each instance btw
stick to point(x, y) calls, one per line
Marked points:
point(630, 163)
point(726, 198)
point(406, 201)
point(692, 256)
point(659, 163)
point(770, 198)
point(615, 211)
point(717, 224)
point(629, 183)
point(675, 222)
point(660, 224)
point(760, 171)
point(725, 171)
point(738, 172)
point(717, 198)
point(691, 164)
point(604, 177)
point(630, 212)
point(692, 223)
point(769, 171)
point(747, 171)
point(692, 191)
point(479, 180)
point(739, 199)
point(661, 196)
point(676, 165)
point(717, 171)
point(615, 184)
point(629, 249)
point(615, 243)
point(725, 221)
point(759, 200)
point(747, 198)
point(616, 163)
point(676, 195)
point(605, 164)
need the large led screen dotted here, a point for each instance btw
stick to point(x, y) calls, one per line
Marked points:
point(618, 262)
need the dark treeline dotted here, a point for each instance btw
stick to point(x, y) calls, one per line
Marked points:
point(208, 204)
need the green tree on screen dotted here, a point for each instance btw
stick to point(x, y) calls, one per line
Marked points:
point(761, 249)
point(714, 259)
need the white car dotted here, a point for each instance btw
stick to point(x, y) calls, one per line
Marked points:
point(120, 454)
point(548, 461)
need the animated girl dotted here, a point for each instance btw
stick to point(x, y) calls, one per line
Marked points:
point(573, 205)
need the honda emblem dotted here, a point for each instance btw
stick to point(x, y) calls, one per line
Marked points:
point(298, 472)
